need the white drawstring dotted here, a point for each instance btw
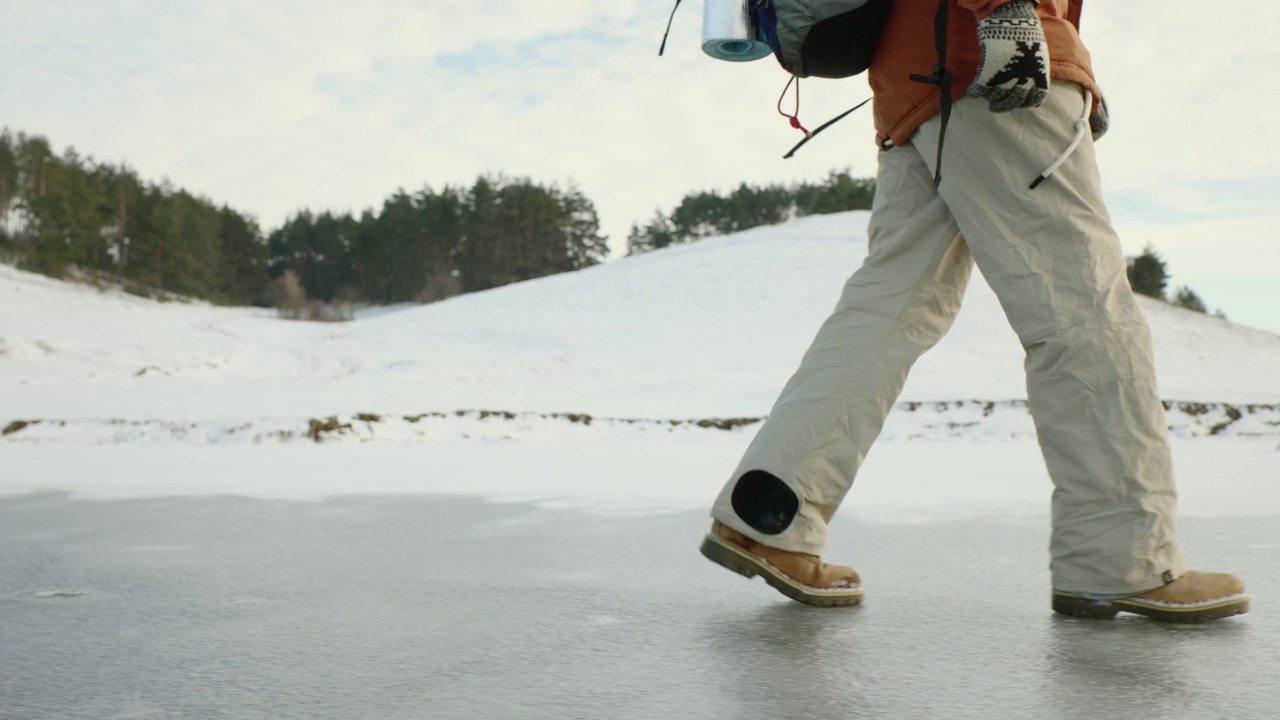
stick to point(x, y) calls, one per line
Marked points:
point(1082, 126)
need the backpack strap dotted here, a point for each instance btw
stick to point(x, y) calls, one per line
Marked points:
point(663, 47)
point(941, 77)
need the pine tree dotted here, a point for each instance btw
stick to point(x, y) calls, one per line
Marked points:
point(437, 255)
point(8, 188)
point(478, 252)
point(580, 227)
point(244, 252)
point(655, 235)
point(1184, 297)
point(1148, 274)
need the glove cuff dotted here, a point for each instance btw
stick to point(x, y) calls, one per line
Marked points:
point(1015, 10)
point(1013, 22)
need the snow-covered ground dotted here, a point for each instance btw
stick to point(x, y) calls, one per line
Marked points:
point(614, 400)
point(609, 387)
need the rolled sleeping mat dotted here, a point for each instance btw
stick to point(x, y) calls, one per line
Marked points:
point(728, 32)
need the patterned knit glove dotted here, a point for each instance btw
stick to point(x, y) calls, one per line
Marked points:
point(1015, 58)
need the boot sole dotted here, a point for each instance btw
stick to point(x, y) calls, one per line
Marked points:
point(1082, 607)
point(732, 557)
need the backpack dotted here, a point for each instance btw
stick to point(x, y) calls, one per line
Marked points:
point(821, 38)
point(810, 38)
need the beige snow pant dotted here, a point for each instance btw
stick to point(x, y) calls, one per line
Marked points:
point(1056, 265)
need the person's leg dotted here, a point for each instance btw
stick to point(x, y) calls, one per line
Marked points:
point(895, 307)
point(1055, 262)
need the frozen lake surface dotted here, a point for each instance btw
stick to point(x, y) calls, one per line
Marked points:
point(433, 607)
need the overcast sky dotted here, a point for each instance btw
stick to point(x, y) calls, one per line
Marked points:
point(272, 107)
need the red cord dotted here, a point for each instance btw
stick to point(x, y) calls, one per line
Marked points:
point(795, 116)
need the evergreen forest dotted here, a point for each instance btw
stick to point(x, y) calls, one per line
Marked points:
point(68, 212)
point(704, 214)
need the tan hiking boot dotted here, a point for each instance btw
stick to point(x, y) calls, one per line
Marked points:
point(800, 576)
point(1194, 597)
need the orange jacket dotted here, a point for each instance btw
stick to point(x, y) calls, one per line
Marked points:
point(907, 46)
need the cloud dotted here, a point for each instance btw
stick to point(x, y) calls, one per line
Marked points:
point(273, 107)
point(1185, 90)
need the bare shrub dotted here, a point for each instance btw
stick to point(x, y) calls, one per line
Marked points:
point(331, 312)
point(292, 304)
point(345, 303)
point(441, 285)
point(290, 297)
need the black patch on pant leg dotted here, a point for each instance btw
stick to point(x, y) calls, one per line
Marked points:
point(764, 502)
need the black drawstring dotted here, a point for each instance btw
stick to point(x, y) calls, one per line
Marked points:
point(824, 126)
point(668, 32)
point(942, 78)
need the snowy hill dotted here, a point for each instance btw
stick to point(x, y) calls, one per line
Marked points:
point(708, 330)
